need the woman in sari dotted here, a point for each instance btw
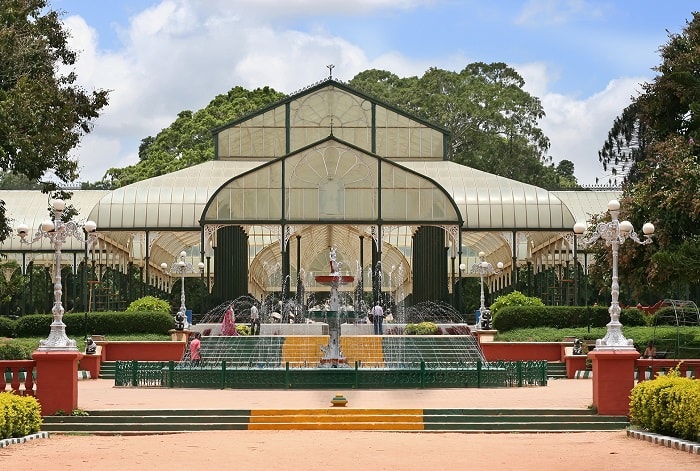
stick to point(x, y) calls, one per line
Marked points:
point(228, 325)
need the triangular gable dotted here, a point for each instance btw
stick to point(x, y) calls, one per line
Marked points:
point(330, 109)
point(331, 181)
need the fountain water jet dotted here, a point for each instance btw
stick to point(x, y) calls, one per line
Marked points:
point(332, 356)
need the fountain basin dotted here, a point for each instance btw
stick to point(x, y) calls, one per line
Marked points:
point(331, 280)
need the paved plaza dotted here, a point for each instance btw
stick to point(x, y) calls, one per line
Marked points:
point(343, 450)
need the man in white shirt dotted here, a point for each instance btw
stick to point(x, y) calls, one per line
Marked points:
point(378, 319)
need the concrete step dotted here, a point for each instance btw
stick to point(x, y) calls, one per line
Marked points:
point(445, 420)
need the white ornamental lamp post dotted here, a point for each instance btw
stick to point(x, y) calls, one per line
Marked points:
point(482, 268)
point(180, 268)
point(58, 232)
point(614, 233)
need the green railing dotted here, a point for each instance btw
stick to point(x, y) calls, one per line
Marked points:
point(418, 375)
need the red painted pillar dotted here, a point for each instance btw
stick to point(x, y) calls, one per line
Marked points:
point(613, 380)
point(57, 380)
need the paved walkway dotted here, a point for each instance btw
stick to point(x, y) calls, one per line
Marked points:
point(100, 394)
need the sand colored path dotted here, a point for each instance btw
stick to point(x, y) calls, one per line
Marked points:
point(340, 450)
point(346, 451)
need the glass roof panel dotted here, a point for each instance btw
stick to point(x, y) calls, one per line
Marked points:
point(399, 137)
point(262, 136)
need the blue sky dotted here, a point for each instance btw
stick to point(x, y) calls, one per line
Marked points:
point(584, 59)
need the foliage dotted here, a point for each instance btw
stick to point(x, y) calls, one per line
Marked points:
point(43, 112)
point(7, 327)
point(514, 298)
point(12, 287)
point(19, 415)
point(656, 139)
point(11, 181)
point(664, 337)
point(243, 329)
point(493, 121)
point(13, 350)
point(187, 141)
point(667, 405)
point(667, 106)
point(149, 304)
point(524, 317)
point(422, 328)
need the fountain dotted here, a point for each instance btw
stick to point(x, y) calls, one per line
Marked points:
point(332, 356)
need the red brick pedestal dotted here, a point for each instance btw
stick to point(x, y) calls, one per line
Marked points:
point(613, 380)
point(57, 380)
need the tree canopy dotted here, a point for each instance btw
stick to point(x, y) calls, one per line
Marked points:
point(663, 183)
point(43, 112)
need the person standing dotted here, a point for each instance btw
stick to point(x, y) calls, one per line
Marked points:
point(254, 320)
point(228, 325)
point(378, 319)
point(195, 347)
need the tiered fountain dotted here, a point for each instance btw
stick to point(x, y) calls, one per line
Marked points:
point(332, 356)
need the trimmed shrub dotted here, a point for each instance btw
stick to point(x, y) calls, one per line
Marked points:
point(19, 415)
point(37, 325)
point(422, 328)
point(243, 329)
point(667, 405)
point(149, 304)
point(514, 298)
point(13, 350)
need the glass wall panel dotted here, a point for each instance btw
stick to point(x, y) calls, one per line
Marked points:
point(260, 136)
point(323, 182)
point(330, 111)
point(401, 137)
point(406, 195)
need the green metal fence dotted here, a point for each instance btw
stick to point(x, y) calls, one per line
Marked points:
point(476, 375)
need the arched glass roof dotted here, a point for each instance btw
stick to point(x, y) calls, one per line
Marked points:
point(172, 201)
point(32, 208)
point(490, 202)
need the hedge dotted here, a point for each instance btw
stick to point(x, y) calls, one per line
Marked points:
point(561, 317)
point(37, 325)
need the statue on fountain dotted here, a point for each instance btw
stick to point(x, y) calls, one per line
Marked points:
point(332, 355)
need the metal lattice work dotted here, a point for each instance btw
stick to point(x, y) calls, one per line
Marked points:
point(680, 314)
point(503, 374)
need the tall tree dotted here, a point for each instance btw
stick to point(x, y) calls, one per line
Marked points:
point(664, 184)
point(43, 112)
point(492, 120)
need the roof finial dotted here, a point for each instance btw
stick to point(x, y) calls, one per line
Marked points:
point(330, 70)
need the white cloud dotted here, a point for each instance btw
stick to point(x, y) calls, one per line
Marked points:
point(578, 127)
